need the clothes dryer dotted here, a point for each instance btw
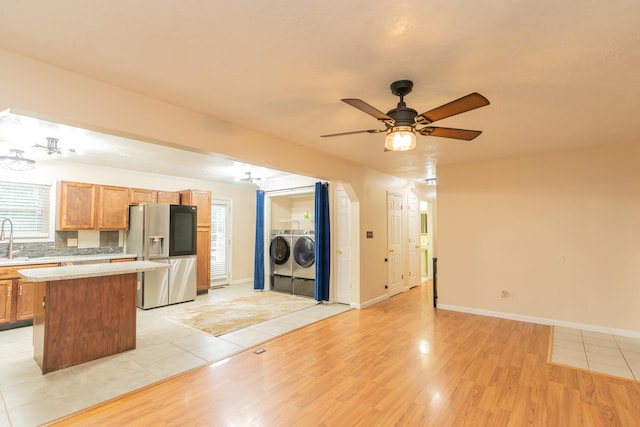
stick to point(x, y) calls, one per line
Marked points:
point(304, 254)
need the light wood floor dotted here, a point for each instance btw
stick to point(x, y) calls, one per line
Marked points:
point(399, 362)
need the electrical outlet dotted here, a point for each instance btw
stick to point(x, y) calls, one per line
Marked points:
point(503, 294)
point(72, 243)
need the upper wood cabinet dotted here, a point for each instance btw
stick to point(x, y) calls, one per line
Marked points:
point(113, 208)
point(76, 206)
point(170, 197)
point(83, 206)
point(201, 199)
point(137, 195)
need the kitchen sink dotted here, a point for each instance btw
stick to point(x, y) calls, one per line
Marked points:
point(24, 259)
point(16, 259)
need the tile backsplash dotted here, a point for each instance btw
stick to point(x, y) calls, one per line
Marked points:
point(68, 243)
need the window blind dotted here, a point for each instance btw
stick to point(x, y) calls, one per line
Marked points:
point(28, 207)
point(218, 241)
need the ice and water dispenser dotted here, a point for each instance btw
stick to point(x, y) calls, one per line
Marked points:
point(157, 246)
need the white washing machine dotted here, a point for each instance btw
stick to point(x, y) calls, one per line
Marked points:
point(280, 252)
point(281, 257)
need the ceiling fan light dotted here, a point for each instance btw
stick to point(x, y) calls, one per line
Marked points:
point(400, 138)
point(15, 161)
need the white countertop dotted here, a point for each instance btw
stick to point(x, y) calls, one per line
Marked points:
point(18, 261)
point(68, 272)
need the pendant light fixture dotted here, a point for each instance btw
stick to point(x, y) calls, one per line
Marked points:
point(16, 161)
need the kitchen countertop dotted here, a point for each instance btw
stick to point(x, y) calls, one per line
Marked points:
point(68, 272)
point(18, 261)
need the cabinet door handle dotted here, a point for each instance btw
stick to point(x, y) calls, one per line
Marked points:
point(20, 290)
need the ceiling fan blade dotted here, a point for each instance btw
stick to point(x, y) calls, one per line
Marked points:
point(464, 134)
point(372, 111)
point(355, 131)
point(460, 105)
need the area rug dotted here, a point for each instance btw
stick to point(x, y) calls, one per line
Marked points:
point(228, 316)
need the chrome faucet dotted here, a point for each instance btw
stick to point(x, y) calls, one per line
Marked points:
point(2, 236)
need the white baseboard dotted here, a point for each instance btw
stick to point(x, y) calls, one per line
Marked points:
point(370, 302)
point(542, 321)
point(235, 282)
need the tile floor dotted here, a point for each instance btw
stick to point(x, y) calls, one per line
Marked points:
point(597, 352)
point(164, 348)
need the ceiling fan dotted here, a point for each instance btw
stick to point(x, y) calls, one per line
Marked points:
point(402, 123)
point(249, 178)
point(52, 147)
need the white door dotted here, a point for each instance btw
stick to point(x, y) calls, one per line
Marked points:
point(343, 247)
point(394, 238)
point(413, 219)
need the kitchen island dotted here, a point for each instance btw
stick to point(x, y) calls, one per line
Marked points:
point(84, 312)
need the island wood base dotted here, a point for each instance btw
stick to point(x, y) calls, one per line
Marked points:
point(79, 320)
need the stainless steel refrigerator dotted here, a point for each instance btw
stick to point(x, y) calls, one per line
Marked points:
point(164, 233)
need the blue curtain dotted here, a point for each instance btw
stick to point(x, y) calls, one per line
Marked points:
point(258, 259)
point(322, 241)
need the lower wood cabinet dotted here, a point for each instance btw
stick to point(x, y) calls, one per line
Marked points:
point(5, 300)
point(203, 248)
point(17, 296)
point(24, 306)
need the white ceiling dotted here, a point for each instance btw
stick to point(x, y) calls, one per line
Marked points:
point(558, 74)
point(30, 135)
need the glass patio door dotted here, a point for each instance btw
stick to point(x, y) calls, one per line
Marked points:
point(220, 239)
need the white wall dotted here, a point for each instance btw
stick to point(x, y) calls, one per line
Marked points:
point(559, 231)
